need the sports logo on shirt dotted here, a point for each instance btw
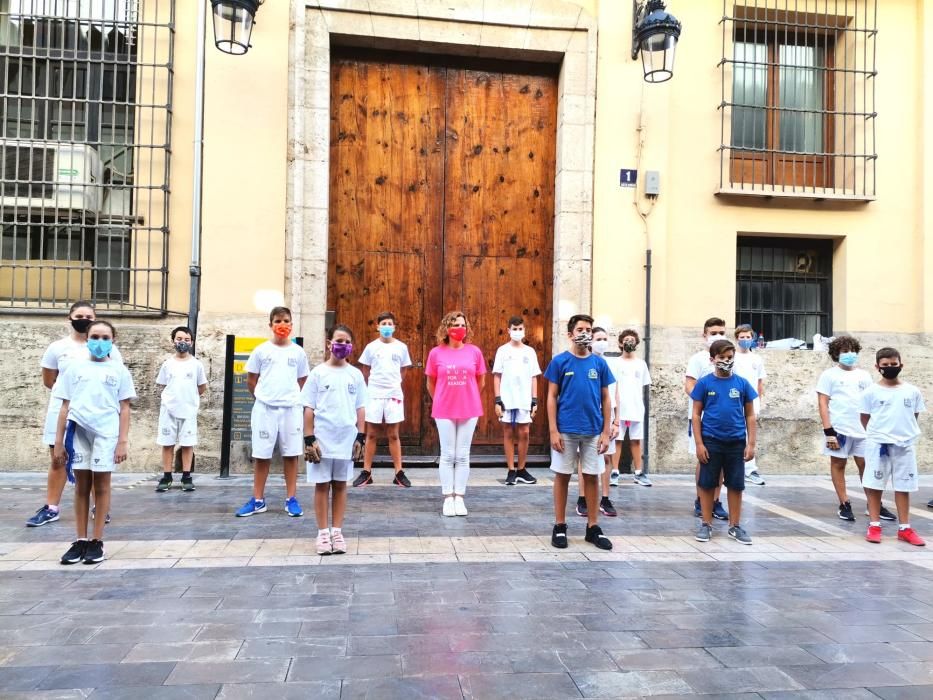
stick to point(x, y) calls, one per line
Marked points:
point(734, 393)
point(908, 403)
point(263, 434)
point(292, 361)
point(78, 458)
point(593, 374)
point(879, 474)
point(111, 380)
point(352, 388)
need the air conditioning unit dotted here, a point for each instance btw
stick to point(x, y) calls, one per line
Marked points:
point(49, 177)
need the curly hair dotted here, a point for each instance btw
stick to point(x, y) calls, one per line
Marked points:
point(843, 343)
point(446, 322)
point(629, 332)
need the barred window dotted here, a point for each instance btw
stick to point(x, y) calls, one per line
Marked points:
point(783, 286)
point(85, 119)
point(798, 105)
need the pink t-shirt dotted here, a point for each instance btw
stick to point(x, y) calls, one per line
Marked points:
point(456, 393)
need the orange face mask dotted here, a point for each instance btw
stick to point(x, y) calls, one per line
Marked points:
point(283, 330)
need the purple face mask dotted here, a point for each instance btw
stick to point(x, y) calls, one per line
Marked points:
point(341, 350)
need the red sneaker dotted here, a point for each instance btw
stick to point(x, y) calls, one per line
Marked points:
point(910, 536)
point(874, 534)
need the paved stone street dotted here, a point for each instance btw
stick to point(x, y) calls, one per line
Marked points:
point(193, 603)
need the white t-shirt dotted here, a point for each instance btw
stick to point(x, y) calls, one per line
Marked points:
point(335, 394)
point(751, 367)
point(632, 376)
point(95, 390)
point(181, 379)
point(613, 363)
point(698, 366)
point(893, 412)
point(385, 362)
point(517, 365)
point(279, 368)
point(62, 352)
point(844, 388)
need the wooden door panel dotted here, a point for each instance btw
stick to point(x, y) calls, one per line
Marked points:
point(488, 286)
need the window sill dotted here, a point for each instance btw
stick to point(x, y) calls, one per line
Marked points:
point(779, 192)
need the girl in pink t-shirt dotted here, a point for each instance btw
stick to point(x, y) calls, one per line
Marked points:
point(456, 375)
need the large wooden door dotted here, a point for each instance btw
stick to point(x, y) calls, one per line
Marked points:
point(441, 197)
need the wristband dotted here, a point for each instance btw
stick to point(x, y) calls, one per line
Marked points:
point(310, 440)
point(534, 402)
point(361, 438)
point(500, 402)
point(829, 432)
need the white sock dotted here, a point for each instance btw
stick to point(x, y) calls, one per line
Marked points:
point(903, 526)
point(334, 530)
point(877, 524)
point(325, 531)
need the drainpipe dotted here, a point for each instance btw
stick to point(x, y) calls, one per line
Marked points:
point(194, 270)
point(647, 389)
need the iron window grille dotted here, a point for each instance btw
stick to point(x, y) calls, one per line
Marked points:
point(798, 98)
point(85, 92)
point(783, 286)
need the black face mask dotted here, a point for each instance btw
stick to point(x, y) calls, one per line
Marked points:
point(890, 372)
point(81, 324)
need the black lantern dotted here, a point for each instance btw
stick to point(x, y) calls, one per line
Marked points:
point(233, 24)
point(654, 34)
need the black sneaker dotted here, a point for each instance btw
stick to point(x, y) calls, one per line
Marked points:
point(930, 503)
point(559, 536)
point(524, 477)
point(885, 514)
point(606, 507)
point(94, 552)
point(845, 512)
point(165, 483)
point(510, 478)
point(75, 553)
point(364, 479)
point(581, 506)
point(594, 535)
point(697, 512)
point(187, 484)
point(400, 479)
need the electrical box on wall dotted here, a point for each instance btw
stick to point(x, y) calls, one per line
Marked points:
point(652, 183)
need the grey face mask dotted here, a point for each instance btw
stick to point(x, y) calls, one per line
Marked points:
point(584, 339)
point(725, 365)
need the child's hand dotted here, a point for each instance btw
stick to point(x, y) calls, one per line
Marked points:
point(312, 450)
point(534, 409)
point(749, 453)
point(602, 444)
point(58, 454)
point(702, 454)
point(557, 442)
point(500, 407)
point(614, 430)
point(358, 444)
point(119, 455)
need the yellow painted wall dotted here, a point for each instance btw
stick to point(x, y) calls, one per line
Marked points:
point(879, 272)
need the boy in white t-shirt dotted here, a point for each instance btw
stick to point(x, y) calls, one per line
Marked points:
point(333, 399)
point(275, 373)
point(698, 366)
point(383, 361)
point(515, 372)
point(632, 377)
point(606, 507)
point(839, 390)
point(183, 380)
point(750, 366)
point(888, 412)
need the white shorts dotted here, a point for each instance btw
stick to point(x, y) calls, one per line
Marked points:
point(582, 447)
point(691, 443)
point(385, 411)
point(522, 417)
point(885, 463)
point(176, 431)
point(854, 447)
point(277, 424)
point(51, 421)
point(328, 470)
point(636, 430)
point(89, 450)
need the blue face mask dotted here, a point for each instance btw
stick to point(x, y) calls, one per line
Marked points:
point(848, 358)
point(747, 343)
point(99, 348)
point(386, 331)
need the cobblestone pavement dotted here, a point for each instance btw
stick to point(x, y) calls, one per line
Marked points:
point(194, 603)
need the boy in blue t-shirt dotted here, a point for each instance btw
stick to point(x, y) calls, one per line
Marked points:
point(723, 415)
point(578, 416)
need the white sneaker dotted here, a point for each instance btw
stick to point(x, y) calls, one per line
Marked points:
point(338, 543)
point(459, 506)
point(323, 543)
point(614, 478)
point(449, 511)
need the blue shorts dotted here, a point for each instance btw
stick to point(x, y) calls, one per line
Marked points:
point(726, 459)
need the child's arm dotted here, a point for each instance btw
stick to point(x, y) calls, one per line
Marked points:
point(496, 390)
point(119, 454)
point(751, 427)
point(201, 389)
point(557, 443)
point(864, 417)
point(58, 451)
point(702, 453)
point(364, 368)
point(603, 443)
point(689, 383)
point(252, 378)
point(432, 381)
point(48, 377)
point(301, 381)
point(534, 397)
point(831, 441)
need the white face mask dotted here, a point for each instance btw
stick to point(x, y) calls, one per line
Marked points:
point(710, 339)
point(600, 346)
point(517, 336)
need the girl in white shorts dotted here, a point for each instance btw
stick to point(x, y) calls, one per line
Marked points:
point(91, 436)
point(334, 398)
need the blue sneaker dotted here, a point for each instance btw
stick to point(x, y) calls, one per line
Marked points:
point(293, 507)
point(697, 513)
point(251, 507)
point(43, 516)
point(719, 512)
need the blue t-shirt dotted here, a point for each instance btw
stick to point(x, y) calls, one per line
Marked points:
point(724, 400)
point(580, 381)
